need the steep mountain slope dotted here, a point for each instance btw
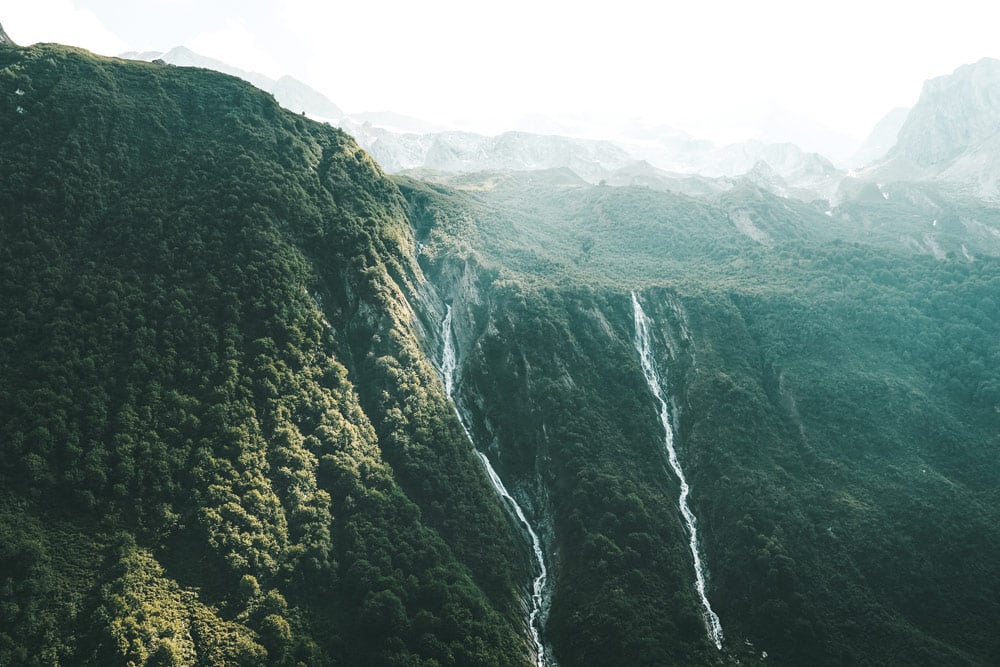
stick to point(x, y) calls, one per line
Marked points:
point(951, 135)
point(954, 113)
point(881, 139)
point(290, 93)
point(224, 441)
point(221, 442)
point(4, 39)
point(834, 394)
point(461, 152)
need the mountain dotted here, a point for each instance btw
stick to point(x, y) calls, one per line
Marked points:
point(300, 98)
point(290, 93)
point(782, 126)
point(4, 39)
point(811, 175)
point(264, 405)
point(643, 174)
point(181, 56)
point(222, 440)
point(841, 454)
point(395, 122)
point(459, 152)
point(803, 175)
point(401, 143)
point(951, 134)
point(954, 113)
point(882, 138)
point(664, 146)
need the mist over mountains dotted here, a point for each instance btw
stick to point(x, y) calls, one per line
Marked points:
point(280, 388)
point(948, 137)
point(952, 135)
point(290, 93)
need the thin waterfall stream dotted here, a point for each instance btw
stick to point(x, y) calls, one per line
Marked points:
point(449, 364)
point(644, 346)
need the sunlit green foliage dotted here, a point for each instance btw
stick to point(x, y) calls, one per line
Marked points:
point(222, 442)
point(209, 385)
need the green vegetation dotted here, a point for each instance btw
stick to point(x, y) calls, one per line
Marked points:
point(222, 442)
point(215, 419)
point(835, 385)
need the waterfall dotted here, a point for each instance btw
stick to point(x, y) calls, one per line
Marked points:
point(538, 585)
point(643, 345)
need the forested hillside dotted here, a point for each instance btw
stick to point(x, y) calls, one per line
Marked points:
point(834, 384)
point(223, 438)
point(220, 441)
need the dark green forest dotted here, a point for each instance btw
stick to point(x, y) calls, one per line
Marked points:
point(216, 421)
point(223, 439)
point(835, 395)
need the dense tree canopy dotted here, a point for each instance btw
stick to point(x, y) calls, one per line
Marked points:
point(209, 386)
point(833, 382)
point(223, 441)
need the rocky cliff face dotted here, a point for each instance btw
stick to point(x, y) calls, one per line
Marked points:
point(951, 134)
point(4, 39)
point(955, 113)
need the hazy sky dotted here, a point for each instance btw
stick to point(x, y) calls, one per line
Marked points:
point(715, 68)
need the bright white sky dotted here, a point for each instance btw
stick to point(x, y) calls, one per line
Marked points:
point(721, 69)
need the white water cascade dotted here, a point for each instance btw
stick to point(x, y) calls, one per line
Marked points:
point(538, 585)
point(643, 345)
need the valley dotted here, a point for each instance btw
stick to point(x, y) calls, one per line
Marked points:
point(264, 403)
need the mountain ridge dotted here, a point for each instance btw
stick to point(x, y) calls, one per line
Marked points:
point(400, 143)
point(5, 40)
point(950, 136)
point(881, 139)
point(225, 440)
point(226, 302)
point(290, 92)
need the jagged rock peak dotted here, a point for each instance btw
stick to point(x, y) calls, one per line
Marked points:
point(4, 39)
point(955, 113)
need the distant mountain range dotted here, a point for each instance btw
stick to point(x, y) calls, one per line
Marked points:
point(467, 152)
point(950, 136)
point(882, 138)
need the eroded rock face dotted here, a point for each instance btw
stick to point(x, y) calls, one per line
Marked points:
point(4, 39)
point(950, 135)
point(955, 113)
